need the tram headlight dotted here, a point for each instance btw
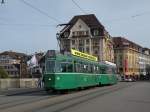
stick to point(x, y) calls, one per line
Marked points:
point(58, 78)
point(49, 79)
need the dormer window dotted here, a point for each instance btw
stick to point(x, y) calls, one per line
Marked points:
point(80, 26)
point(66, 34)
point(96, 33)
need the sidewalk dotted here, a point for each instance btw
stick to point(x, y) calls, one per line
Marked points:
point(18, 91)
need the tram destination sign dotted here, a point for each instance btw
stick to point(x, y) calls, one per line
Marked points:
point(83, 55)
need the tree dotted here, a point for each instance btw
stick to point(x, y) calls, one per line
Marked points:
point(3, 73)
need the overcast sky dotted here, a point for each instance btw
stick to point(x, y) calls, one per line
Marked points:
point(28, 30)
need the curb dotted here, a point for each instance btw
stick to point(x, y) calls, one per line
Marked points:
point(20, 92)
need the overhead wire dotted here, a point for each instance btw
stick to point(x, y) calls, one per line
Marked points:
point(130, 17)
point(40, 11)
point(74, 2)
point(56, 20)
point(39, 25)
point(140, 14)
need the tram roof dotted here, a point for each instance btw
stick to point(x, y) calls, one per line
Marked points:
point(108, 63)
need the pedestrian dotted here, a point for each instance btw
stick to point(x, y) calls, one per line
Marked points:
point(40, 82)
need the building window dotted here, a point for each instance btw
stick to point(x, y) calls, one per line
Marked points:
point(87, 49)
point(12, 72)
point(5, 67)
point(73, 33)
point(8, 72)
point(80, 33)
point(81, 49)
point(81, 42)
point(11, 67)
point(120, 60)
point(66, 34)
point(96, 33)
point(16, 73)
point(73, 42)
point(96, 52)
point(80, 26)
point(86, 32)
point(87, 41)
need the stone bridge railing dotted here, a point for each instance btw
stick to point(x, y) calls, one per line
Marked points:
point(19, 83)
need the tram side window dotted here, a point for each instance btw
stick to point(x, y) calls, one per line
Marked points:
point(66, 67)
point(88, 68)
point(63, 67)
point(103, 70)
point(91, 68)
point(114, 70)
point(84, 68)
point(108, 70)
point(70, 68)
point(98, 69)
point(77, 67)
point(95, 69)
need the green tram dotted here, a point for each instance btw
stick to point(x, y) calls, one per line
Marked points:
point(64, 72)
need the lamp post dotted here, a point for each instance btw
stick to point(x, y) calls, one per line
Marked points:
point(2, 2)
point(20, 70)
point(20, 66)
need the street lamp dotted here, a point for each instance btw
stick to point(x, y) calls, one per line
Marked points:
point(2, 2)
point(20, 67)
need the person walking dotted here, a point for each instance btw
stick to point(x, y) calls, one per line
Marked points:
point(40, 82)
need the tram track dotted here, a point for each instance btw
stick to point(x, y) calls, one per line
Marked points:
point(22, 101)
point(17, 95)
point(69, 103)
point(28, 99)
point(53, 103)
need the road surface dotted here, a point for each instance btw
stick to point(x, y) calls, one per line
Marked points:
point(122, 97)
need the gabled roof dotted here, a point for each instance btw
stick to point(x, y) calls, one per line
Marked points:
point(123, 41)
point(90, 20)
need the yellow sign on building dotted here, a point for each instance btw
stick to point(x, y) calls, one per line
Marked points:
point(83, 55)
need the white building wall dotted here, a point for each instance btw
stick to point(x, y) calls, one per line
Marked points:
point(80, 26)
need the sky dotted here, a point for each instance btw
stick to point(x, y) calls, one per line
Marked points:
point(30, 26)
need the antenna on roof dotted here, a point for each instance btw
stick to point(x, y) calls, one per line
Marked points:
point(65, 24)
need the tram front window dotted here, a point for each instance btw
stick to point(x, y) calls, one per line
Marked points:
point(50, 66)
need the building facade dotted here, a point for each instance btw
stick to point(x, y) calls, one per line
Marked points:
point(145, 62)
point(131, 59)
point(86, 34)
point(14, 64)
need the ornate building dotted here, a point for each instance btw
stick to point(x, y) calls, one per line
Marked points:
point(131, 59)
point(86, 34)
